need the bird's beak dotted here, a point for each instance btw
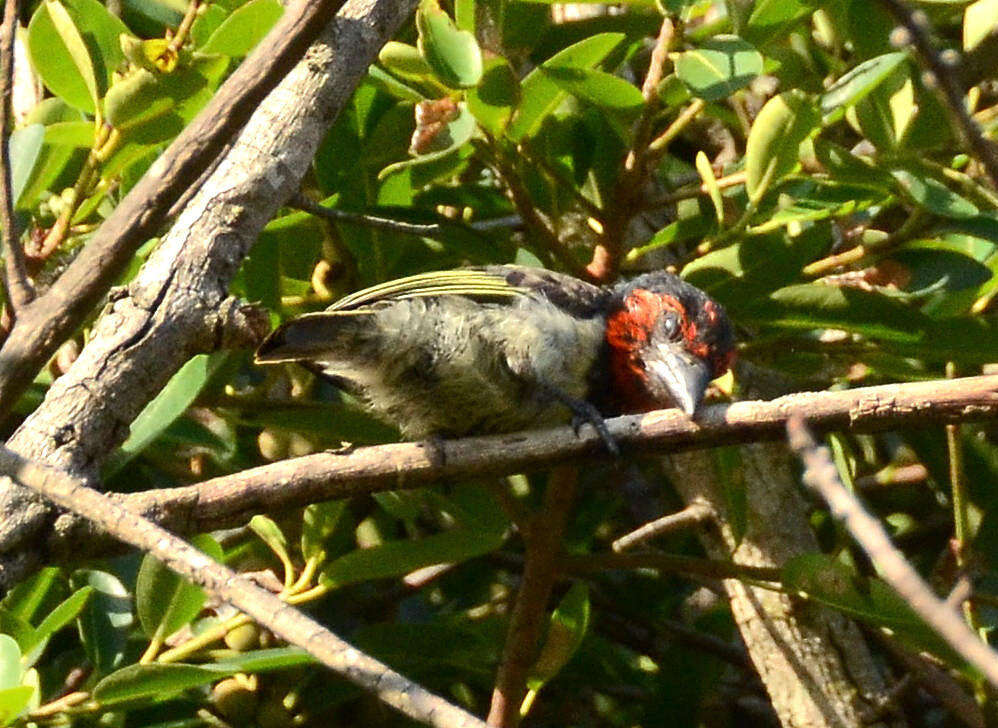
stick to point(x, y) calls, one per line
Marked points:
point(677, 375)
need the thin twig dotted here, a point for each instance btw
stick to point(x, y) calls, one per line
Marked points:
point(609, 251)
point(918, 33)
point(893, 567)
point(400, 226)
point(543, 543)
point(373, 676)
point(691, 516)
point(18, 285)
point(671, 563)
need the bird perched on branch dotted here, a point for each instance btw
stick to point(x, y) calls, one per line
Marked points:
point(504, 348)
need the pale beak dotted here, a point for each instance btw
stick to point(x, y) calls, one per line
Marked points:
point(675, 375)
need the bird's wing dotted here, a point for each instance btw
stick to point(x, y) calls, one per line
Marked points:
point(492, 284)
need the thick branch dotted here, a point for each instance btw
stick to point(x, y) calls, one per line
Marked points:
point(392, 688)
point(177, 304)
point(232, 499)
point(42, 325)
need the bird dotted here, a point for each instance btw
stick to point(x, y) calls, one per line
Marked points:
point(503, 348)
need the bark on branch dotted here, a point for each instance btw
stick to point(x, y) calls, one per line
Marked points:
point(177, 304)
point(232, 499)
point(46, 322)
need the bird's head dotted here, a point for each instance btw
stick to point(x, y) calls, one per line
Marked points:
point(667, 340)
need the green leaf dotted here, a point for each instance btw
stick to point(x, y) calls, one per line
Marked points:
point(244, 28)
point(718, 67)
point(106, 619)
point(25, 147)
point(453, 54)
point(772, 19)
point(161, 681)
point(55, 620)
point(208, 19)
point(270, 533)
point(26, 599)
point(567, 627)
point(275, 658)
point(772, 149)
point(887, 114)
point(933, 195)
point(979, 21)
point(172, 401)
point(318, 525)
point(19, 629)
point(816, 305)
point(597, 87)
point(706, 173)
point(540, 95)
point(405, 61)
point(13, 701)
point(154, 681)
point(493, 100)
point(397, 558)
point(10, 662)
point(150, 107)
point(77, 134)
point(60, 56)
point(166, 601)
point(853, 86)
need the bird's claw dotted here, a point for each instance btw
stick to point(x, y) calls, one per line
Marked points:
point(584, 413)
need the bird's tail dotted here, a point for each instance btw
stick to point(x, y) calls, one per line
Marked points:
point(321, 336)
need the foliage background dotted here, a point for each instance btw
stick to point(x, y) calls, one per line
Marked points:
point(794, 161)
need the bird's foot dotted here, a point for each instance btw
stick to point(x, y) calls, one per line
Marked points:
point(582, 413)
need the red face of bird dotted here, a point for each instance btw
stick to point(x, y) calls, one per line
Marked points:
point(667, 341)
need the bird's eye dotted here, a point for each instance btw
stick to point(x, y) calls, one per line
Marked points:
point(670, 326)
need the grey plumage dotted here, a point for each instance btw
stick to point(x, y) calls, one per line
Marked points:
point(451, 360)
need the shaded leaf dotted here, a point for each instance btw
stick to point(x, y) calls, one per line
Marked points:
point(772, 149)
point(853, 86)
point(933, 195)
point(493, 100)
point(453, 54)
point(718, 67)
point(870, 600)
point(60, 56)
point(541, 95)
point(106, 619)
point(166, 601)
point(244, 28)
point(171, 402)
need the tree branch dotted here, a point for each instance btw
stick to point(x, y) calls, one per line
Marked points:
point(43, 324)
point(232, 499)
point(542, 539)
point(176, 306)
point(371, 675)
